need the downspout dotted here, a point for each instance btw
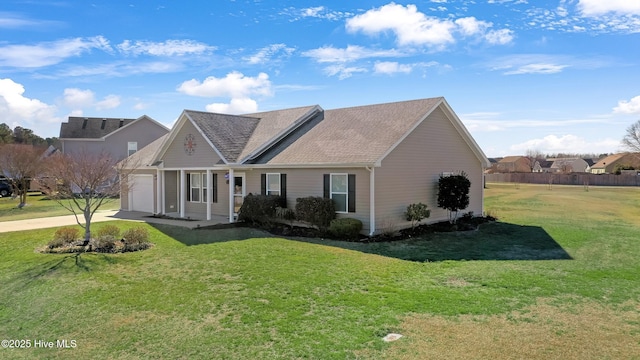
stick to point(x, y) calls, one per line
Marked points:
point(372, 200)
point(209, 194)
point(158, 192)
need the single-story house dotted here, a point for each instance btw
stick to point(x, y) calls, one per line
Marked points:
point(568, 165)
point(611, 163)
point(116, 137)
point(373, 161)
point(511, 164)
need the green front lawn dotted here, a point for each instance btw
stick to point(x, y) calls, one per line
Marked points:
point(39, 206)
point(240, 294)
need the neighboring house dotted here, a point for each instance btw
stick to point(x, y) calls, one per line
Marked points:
point(542, 166)
point(511, 164)
point(568, 165)
point(118, 138)
point(611, 163)
point(373, 161)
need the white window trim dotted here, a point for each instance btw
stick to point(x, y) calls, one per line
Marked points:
point(133, 148)
point(345, 193)
point(268, 191)
point(191, 187)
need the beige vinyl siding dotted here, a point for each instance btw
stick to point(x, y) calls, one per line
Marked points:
point(199, 209)
point(410, 173)
point(124, 193)
point(309, 182)
point(176, 157)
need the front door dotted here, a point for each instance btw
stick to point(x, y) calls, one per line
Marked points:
point(238, 191)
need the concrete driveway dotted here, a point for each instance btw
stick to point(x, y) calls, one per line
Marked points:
point(100, 216)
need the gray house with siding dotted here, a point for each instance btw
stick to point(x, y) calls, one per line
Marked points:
point(373, 161)
point(118, 138)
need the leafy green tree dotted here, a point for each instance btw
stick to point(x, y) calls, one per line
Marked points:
point(6, 134)
point(453, 194)
point(416, 213)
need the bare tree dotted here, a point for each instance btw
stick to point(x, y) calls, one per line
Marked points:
point(533, 157)
point(20, 164)
point(631, 140)
point(85, 182)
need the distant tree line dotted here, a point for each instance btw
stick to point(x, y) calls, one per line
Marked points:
point(20, 135)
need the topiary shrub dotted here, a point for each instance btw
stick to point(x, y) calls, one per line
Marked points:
point(416, 213)
point(108, 230)
point(259, 209)
point(345, 228)
point(64, 236)
point(453, 194)
point(135, 239)
point(316, 211)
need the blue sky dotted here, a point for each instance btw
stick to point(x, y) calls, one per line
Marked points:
point(548, 75)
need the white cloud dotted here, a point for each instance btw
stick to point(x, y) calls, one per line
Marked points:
point(319, 12)
point(391, 67)
point(78, 99)
point(234, 85)
point(343, 71)
point(412, 27)
point(499, 37)
point(329, 54)
point(109, 102)
point(49, 53)
point(553, 144)
point(236, 106)
point(540, 68)
point(628, 107)
point(266, 53)
point(166, 48)
point(18, 109)
point(599, 7)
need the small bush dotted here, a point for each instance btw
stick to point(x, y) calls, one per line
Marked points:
point(64, 236)
point(259, 209)
point(105, 244)
point(345, 228)
point(416, 213)
point(135, 239)
point(108, 230)
point(315, 210)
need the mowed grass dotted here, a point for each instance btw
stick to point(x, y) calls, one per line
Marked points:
point(39, 206)
point(558, 277)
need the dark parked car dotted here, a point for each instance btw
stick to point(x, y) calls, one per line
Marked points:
point(5, 189)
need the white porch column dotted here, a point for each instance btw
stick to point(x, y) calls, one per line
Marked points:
point(372, 201)
point(158, 192)
point(209, 198)
point(162, 194)
point(232, 186)
point(183, 192)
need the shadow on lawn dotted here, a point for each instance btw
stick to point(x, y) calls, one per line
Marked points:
point(493, 241)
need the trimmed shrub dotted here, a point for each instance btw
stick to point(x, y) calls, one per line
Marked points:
point(316, 210)
point(259, 209)
point(135, 239)
point(64, 236)
point(345, 228)
point(108, 230)
point(286, 214)
point(453, 194)
point(416, 213)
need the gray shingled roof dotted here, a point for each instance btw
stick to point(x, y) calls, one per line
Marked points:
point(146, 155)
point(90, 128)
point(360, 134)
point(228, 133)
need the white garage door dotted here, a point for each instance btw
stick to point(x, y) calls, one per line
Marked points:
point(141, 193)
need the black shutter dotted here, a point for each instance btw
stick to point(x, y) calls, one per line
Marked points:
point(188, 187)
point(263, 184)
point(283, 189)
point(327, 184)
point(214, 179)
point(351, 183)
